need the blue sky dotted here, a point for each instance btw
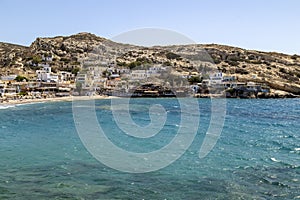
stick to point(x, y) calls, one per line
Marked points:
point(268, 25)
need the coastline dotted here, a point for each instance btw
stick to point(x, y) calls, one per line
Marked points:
point(54, 99)
point(96, 97)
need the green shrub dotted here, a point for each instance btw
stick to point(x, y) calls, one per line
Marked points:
point(241, 71)
point(167, 63)
point(283, 70)
point(232, 63)
point(23, 93)
point(21, 78)
point(217, 61)
point(294, 57)
point(172, 56)
point(36, 59)
point(122, 64)
point(195, 79)
point(133, 65)
point(75, 63)
point(65, 60)
point(75, 70)
point(143, 60)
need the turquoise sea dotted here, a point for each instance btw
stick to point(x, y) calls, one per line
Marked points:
point(256, 157)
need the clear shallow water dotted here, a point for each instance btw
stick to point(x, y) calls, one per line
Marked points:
point(257, 156)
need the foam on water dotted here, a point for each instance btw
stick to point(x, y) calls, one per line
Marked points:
point(25, 104)
point(274, 160)
point(2, 107)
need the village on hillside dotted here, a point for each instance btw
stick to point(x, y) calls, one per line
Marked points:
point(109, 79)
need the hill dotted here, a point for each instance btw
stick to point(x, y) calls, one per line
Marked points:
point(279, 71)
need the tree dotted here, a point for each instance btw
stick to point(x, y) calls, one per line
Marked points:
point(195, 79)
point(172, 56)
point(135, 64)
point(23, 93)
point(21, 78)
point(167, 63)
point(78, 87)
point(36, 59)
point(75, 70)
point(132, 65)
point(294, 57)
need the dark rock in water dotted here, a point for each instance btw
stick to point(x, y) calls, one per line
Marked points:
point(271, 181)
point(4, 191)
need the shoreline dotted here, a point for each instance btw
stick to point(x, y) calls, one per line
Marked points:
point(54, 99)
point(80, 98)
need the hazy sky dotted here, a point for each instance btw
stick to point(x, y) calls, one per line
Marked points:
point(269, 25)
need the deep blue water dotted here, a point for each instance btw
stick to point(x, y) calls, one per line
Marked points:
point(256, 157)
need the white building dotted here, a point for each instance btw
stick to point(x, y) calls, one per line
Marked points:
point(115, 76)
point(65, 76)
point(82, 78)
point(45, 67)
point(8, 78)
point(54, 78)
point(216, 78)
point(45, 75)
point(2, 86)
point(229, 78)
point(47, 58)
point(139, 75)
point(143, 74)
point(156, 70)
point(9, 91)
point(124, 71)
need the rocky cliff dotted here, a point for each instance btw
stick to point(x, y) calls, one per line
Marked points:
point(279, 71)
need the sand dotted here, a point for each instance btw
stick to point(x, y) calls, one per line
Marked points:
point(55, 99)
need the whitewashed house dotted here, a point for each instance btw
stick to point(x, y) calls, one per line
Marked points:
point(47, 58)
point(216, 78)
point(65, 76)
point(82, 78)
point(8, 77)
point(45, 75)
point(139, 74)
point(229, 78)
point(156, 70)
point(2, 87)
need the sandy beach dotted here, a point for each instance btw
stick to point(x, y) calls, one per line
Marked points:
point(54, 99)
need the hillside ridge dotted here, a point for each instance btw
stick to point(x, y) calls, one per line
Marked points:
point(277, 70)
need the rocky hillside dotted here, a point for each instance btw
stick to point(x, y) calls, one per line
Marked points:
point(12, 57)
point(280, 71)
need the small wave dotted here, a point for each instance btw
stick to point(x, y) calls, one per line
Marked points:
point(297, 149)
point(31, 103)
point(6, 107)
point(274, 160)
point(287, 164)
